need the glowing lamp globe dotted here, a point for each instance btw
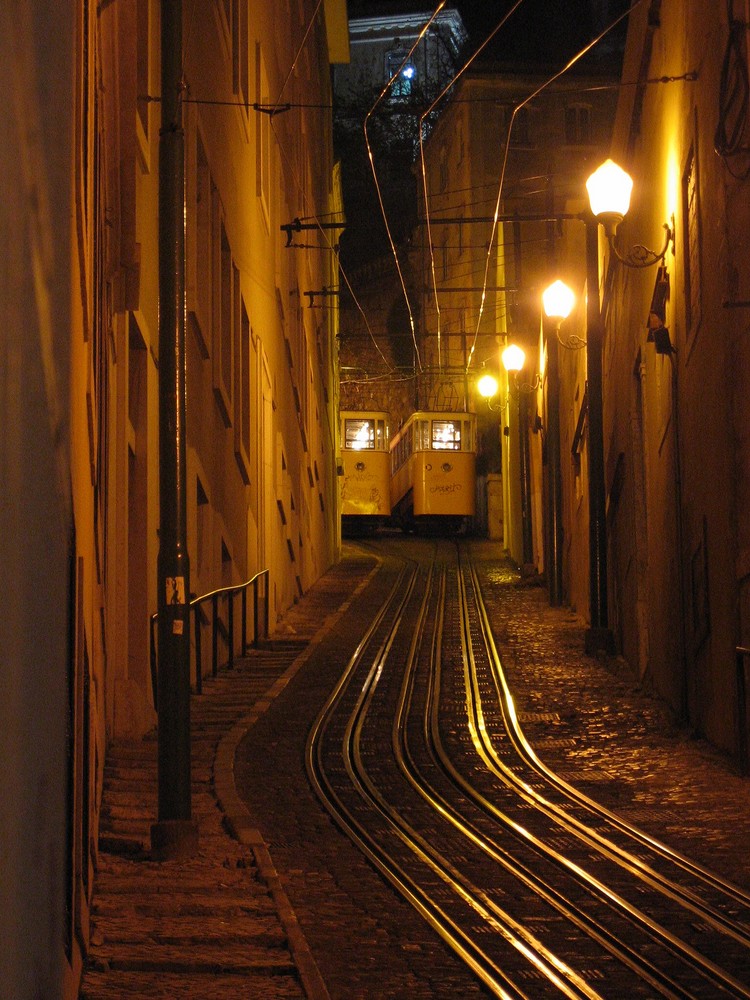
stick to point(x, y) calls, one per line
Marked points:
point(558, 300)
point(487, 386)
point(513, 358)
point(609, 189)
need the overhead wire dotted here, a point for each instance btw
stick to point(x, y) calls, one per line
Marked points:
point(371, 158)
point(535, 93)
point(424, 115)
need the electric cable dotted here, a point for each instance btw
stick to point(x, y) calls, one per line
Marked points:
point(429, 110)
point(556, 76)
point(369, 114)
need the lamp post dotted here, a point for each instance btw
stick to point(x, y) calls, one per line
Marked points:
point(609, 189)
point(598, 635)
point(175, 834)
point(558, 301)
point(513, 359)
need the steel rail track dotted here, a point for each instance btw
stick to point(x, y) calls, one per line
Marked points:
point(620, 950)
point(511, 931)
point(526, 752)
point(688, 897)
point(384, 830)
point(720, 978)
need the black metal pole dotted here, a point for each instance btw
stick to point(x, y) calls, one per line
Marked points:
point(598, 635)
point(525, 474)
point(554, 475)
point(174, 834)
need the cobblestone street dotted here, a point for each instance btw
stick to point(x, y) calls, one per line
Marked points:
point(292, 908)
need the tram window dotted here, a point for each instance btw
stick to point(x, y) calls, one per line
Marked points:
point(380, 435)
point(446, 435)
point(468, 443)
point(359, 434)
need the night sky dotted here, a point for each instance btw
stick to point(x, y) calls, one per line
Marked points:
point(539, 32)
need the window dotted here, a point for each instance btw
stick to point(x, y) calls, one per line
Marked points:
point(242, 349)
point(359, 433)
point(519, 125)
point(198, 251)
point(405, 73)
point(223, 309)
point(240, 68)
point(142, 59)
point(446, 435)
point(691, 248)
point(263, 136)
point(578, 124)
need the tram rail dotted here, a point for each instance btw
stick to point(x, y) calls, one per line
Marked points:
point(419, 757)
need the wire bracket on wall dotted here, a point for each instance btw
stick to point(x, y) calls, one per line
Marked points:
point(322, 292)
point(270, 109)
point(297, 226)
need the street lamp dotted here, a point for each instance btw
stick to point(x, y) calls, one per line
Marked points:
point(558, 301)
point(175, 833)
point(609, 189)
point(487, 387)
point(513, 359)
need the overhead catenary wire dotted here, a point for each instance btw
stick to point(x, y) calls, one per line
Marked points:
point(369, 114)
point(431, 108)
point(535, 93)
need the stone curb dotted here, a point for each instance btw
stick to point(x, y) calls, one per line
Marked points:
point(237, 816)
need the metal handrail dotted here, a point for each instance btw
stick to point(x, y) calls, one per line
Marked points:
point(742, 653)
point(217, 625)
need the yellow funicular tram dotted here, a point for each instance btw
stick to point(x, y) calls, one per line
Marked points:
point(365, 487)
point(433, 471)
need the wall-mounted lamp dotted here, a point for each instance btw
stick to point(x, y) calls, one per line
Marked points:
point(487, 387)
point(513, 358)
point(609, 189)
point(558, 301)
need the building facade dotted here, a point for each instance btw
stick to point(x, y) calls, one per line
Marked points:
point(403, 40)
point(81, 395)
point(676, 365)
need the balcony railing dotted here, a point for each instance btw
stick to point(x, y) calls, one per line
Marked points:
point(203, 618)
